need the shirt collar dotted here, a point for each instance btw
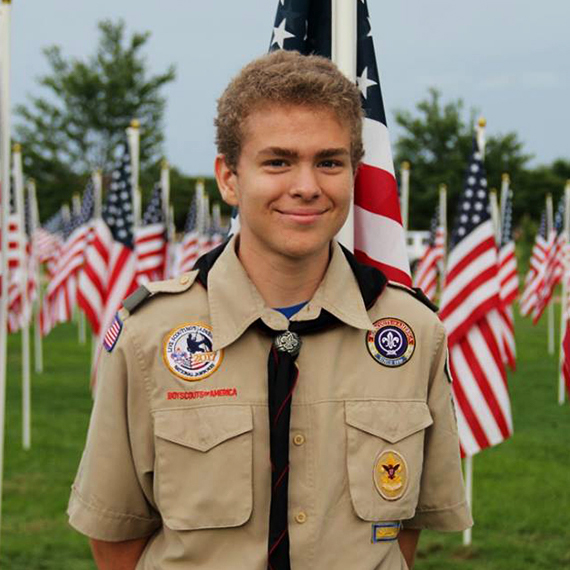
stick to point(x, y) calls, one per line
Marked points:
point(235, 303)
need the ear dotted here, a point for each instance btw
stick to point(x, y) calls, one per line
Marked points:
point(227, 180)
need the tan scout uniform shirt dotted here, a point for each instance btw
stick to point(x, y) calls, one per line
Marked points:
point(188, 461)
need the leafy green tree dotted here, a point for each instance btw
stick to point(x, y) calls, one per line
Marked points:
point(437, 140)
point(80, 119)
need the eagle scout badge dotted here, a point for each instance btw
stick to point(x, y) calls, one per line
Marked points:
point(390, 475)
point(112, 335)
point(391, 343)
point(188, 352)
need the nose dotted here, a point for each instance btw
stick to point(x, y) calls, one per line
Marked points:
point(306, 184)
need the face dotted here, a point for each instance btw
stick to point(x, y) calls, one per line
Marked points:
point(294, 180)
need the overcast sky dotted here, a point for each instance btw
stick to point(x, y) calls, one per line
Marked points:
point(508, 58)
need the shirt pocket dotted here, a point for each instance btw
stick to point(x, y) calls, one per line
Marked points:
point(203, 471)
point(380, 433)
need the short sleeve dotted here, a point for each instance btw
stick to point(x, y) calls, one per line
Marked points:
point(442, 504)
point(111, 497)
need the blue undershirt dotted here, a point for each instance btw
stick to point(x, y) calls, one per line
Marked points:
point(290, 311)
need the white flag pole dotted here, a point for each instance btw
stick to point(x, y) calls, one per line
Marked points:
point(405, 193)
point(165, 188)
point(5, 142)
point(81, 332)
point(97, 178)
point(443, 224)
point(343, 54)
point(468, 461)
point(564, 313)
point(25, 320)
point(133, 137)
point(38, 349)
point(550, 309)
point(495, 215)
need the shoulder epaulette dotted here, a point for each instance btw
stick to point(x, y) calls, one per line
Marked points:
point(145, 292)
point(417, 293)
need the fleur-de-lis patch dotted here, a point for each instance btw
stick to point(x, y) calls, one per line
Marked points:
point(391, 343)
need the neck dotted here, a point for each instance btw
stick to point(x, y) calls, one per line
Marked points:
point(283, 281)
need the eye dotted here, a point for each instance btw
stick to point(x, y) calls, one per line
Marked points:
point(276, 163)
point(331, 163)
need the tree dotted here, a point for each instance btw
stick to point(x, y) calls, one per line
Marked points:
point(437, 142)
point(80, 121)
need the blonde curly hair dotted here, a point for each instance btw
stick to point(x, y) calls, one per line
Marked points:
point(286, 78)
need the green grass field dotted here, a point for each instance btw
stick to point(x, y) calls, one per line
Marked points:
point(521, 491)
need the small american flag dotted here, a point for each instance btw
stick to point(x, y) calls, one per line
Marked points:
point(553, 267)
point(112, 334)
point(430, 265)
point(150, 240)
point(189, 248)
point(108, 273)
point(470, 311)
point(508, 279)
point(532, 278)
point(379, 240)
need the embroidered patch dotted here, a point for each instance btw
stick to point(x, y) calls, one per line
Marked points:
point(199, 394)
point(391, 343)
point(390, 475)
point(112, 335)
point(188, 352)
point(384, 532)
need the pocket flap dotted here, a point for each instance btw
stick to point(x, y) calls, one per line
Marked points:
point(203, 428)
point(391, 420)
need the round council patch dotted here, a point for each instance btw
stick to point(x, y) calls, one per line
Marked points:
point(188, 353)
point(390, 475)
point(391, 343)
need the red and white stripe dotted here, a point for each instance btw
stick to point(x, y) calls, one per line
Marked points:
point(150, 252)
point(379, 237)
point(189, 252)
point(509, 284)
point(427, 273)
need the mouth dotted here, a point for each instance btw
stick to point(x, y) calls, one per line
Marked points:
point(303, 217)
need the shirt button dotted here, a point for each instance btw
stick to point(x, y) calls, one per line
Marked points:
point(184, 279)
point(301, 517)
point(299, 439)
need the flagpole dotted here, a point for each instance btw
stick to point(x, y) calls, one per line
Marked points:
point(133, 137)
point(564, 301)
point(343, 54)
point(505, 187)
point(79, 315)
point(495, 215)
point(97, 178)
point(468, 461)
point(443, 224)
point(550, 309)
point(38, 349)
point(25, 323)
point(5, 142)
point(405, 192)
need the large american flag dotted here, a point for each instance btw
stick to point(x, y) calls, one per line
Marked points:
point(470, 311)
point(379, 239)
point(508, 279)
point(108, 273)
point(150, 240)
point(552, 268)
point(61, 294)
point(532, 278)
point(430, 265)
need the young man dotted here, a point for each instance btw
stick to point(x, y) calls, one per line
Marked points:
point(282, 406)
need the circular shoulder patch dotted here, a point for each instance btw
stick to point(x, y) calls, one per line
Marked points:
point(188, 354)
point(390, 475)
point(391, 343)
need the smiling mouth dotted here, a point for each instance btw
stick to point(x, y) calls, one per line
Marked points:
point(301, 216)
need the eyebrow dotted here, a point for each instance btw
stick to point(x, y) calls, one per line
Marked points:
point(288, 153)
